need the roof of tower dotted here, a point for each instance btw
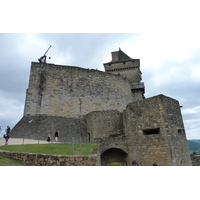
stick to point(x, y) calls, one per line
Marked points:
point(119, 56)
point(122, 55)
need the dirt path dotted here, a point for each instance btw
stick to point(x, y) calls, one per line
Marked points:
point(14, 141)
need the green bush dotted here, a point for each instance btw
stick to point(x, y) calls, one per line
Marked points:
point(115, 164)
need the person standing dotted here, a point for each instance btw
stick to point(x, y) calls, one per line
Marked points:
point(6, 139)
point(8, 130)
point(56, 135)
point(49, 138)
point(7, 136)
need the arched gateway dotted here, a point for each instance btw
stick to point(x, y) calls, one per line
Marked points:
point(113, 155)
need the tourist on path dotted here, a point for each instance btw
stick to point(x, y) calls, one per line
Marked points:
point(56, 135)
point(8, 130)
point(6, 138)
point(49, 138)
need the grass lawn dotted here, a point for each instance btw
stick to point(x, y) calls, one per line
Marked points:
point(4, 161)
point(55, 148)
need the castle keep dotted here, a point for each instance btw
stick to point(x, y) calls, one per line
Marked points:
point(108, 108)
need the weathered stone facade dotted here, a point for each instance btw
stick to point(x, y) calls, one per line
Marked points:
point(155, 132)
point(105, 107)
point(67, 91)
point(125, 66)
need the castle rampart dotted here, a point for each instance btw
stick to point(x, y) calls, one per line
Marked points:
point(67, 91)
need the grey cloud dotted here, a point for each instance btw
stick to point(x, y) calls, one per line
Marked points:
point(87, 49)
point(175, 79)
point(171, 78)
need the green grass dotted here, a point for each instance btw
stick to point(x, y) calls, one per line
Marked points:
point(115, 164)
point(4, 161)
point(55, 148)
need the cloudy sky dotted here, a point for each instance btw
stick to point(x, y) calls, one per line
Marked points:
point(168, 53)
point(170, 65)
point(84, 33)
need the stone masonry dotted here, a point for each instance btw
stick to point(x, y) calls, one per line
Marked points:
point(108, 108)
point(155, 132)
point(52, 160)
point(72, 91)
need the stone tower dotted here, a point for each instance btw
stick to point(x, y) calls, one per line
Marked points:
point(129, 68)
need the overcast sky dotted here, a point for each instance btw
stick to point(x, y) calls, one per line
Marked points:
point(170, 65)
point(169, 55)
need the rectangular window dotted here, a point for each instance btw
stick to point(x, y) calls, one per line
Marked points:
point(151, 131)
point(181, 131)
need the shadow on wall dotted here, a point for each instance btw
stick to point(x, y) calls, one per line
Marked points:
point(113, 155)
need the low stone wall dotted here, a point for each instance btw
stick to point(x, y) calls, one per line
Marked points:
point(52, 160)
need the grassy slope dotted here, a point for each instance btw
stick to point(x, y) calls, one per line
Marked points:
point(11, 162)
point(55, 148)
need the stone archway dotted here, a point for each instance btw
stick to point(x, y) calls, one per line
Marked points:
point(113, 155)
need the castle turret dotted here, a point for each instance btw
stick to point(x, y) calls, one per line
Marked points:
point(127, 67)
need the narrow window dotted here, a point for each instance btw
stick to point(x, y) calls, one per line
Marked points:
point(151, 131)
point(181, 131)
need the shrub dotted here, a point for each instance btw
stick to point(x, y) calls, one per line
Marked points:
point(115, 164)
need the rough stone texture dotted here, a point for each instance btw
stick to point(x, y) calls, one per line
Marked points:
point(38, 127)
point(104, 124)
point(66, 91)
point(106, 128)
point(130, 70)
point(155, 132)
point(125, 66)
point(150, 130)
point(52, 160)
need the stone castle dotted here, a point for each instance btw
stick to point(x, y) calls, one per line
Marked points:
point(108, 108)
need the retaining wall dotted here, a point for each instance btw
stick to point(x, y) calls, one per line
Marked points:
point(52, 160)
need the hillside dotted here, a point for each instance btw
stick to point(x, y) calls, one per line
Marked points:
point(194, 145)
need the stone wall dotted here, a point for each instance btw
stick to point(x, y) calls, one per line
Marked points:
point(52, 160)
point(106, 128)
point(150, 130)
point(66, 91)
point(155, 132)
point(175, 131)
point(59, 97)
point(104, 124)
point(38, 127)
point(128, 69)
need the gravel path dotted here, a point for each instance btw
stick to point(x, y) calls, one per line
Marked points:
point(14, 141)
